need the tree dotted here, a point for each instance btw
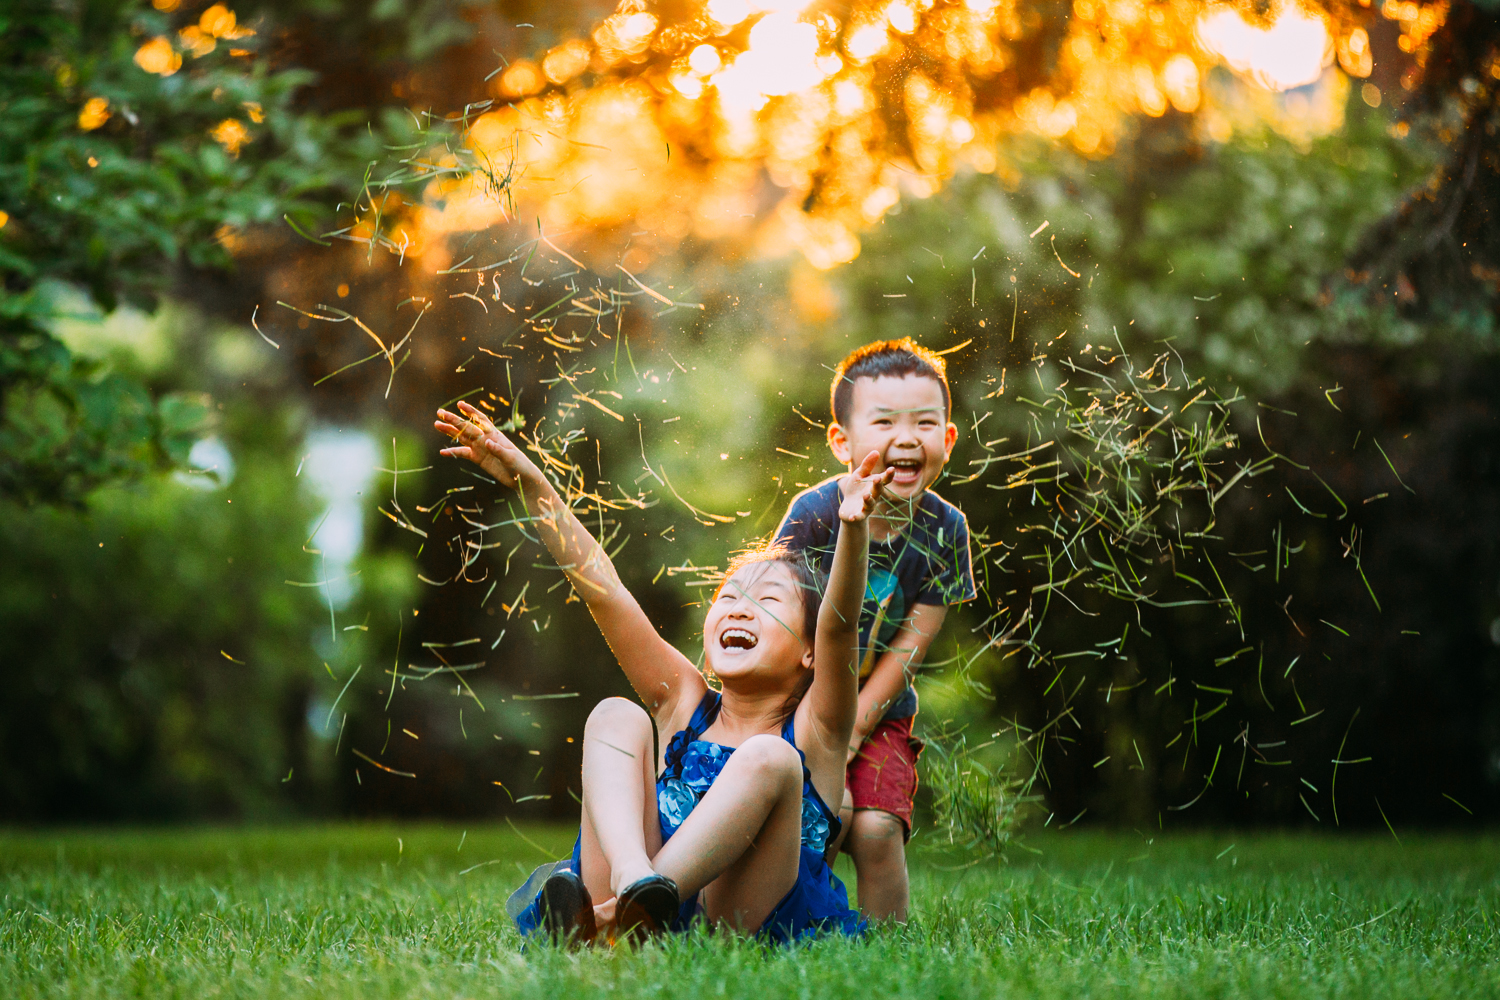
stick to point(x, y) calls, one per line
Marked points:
point(1436, 259)
point(136, 142)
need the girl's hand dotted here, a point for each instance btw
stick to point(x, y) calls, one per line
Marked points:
point(604, 918)
point(862, 489)
point(477, 438)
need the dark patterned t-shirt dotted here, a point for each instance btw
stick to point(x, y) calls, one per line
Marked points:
point(926, 563)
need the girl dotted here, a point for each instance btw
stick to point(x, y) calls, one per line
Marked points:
point(730, 823)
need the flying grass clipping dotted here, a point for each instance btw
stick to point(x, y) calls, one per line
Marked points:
point(1095, 474)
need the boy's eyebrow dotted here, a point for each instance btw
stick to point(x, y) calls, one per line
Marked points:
point(909, 409)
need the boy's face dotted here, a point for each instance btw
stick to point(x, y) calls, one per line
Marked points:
point(903, 419)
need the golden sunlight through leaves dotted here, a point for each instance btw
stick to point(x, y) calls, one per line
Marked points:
point(220, 22)
point(94, 113)
point(791, 125)
point(1290, 52)
point(231, 134)
point(157, 56)
point(197, 41)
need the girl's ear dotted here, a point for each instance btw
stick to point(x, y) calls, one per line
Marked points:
point(807, 657)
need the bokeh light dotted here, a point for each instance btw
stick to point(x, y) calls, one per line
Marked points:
point(793, 126)
point(1290, 52)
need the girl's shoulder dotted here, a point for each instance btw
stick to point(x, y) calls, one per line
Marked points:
point(693, 711)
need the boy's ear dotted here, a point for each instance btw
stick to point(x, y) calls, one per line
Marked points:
point(838, 442)
point(950, 438)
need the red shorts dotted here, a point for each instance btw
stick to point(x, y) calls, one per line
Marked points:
point(884, 773)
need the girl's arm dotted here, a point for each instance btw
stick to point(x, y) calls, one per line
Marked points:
point(833, 698)
point(659, 673)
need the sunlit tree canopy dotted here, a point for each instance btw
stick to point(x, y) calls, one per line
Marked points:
point(799, 125)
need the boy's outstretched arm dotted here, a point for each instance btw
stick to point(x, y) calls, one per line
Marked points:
point(654, 667)
point(833, 696)
point(895, 669)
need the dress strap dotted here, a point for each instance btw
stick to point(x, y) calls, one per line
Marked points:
point(703, 717)
point(705, 714)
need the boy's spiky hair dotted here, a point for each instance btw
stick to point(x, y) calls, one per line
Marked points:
point(885, 359)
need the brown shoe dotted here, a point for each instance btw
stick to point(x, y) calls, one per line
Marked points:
point(567, 909)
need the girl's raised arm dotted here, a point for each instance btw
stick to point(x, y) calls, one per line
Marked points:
point(654, 667)
point(833, 699)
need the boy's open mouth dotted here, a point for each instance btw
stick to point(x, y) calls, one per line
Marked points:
point(737, 638)
point(908, 471)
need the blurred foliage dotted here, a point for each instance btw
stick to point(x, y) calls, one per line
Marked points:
point(154, 657)
point(1228, 257)
point(457, 691)
point(166, 636)
point(1439, 251)
point(132, 150)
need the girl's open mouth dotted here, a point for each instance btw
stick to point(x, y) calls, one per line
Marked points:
point(737, 638)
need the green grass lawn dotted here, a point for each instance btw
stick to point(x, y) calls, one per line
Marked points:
point(402, 910)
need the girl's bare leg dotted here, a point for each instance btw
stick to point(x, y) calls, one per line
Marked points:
point(741, 843)
point(620, 832)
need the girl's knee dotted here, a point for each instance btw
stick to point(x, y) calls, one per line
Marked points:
point(770, 755)
point(614, 714)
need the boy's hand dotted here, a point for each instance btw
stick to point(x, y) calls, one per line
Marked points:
point(478, 439)
point(862, 489)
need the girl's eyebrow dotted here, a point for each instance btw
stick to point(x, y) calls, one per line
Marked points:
point(736, 585)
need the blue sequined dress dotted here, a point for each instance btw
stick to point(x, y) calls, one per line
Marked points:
point(817, 903)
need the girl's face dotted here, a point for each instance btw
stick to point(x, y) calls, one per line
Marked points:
point(753, 633)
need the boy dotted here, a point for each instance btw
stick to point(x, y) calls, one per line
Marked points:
point(890, 397)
